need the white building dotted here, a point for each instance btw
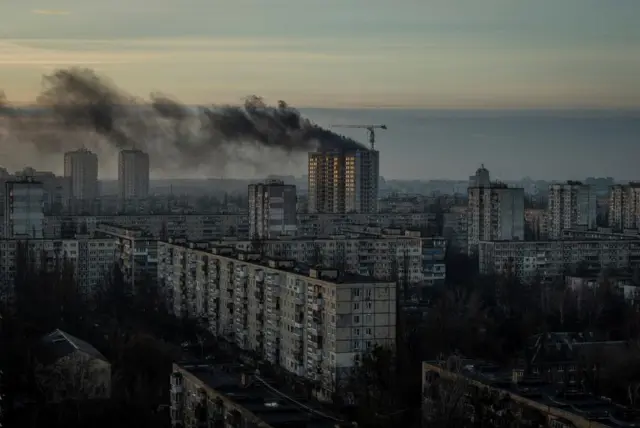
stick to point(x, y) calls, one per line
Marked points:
point(23, 209)
point(495, 211)
point(272, 209)
point(572, 205)
point(133, 174)
point(550, 260)
point(344, 182)
point(624, 206)
point(313, 323)
point(81, 166)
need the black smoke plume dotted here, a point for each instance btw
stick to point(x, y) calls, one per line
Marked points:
point(175, 135)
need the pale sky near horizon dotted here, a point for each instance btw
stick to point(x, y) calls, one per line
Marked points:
point(336, 53)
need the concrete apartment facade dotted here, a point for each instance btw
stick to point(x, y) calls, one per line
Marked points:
point(272, 209)
point(495, 212)
point(549, 260)
point(91, 258)
point(624, 207)
point(136, 253)
point(572, 205)
point(313, 323)
point(344, 182)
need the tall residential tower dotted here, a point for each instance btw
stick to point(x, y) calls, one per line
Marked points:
point(272, 209)
point(495, 211)
point(572, 205)
point(133, 174)
point(344, 181)
point(23, 209)
point(81, 166)
point(624, 207)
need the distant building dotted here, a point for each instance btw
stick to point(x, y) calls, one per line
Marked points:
point(136, 253)
point(90, 258)
point(495, 211)
point(133, 174)
point(272, 209)
point(624, 206)
point(23, 210)
point(81, 166)
point(552, 260)
point(68, 368)
point(572, 205)
point(344, 182)
point(536, 224)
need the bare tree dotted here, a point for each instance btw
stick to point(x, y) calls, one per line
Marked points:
point(75, 377)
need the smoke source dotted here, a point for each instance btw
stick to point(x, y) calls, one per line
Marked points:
point(176, 137)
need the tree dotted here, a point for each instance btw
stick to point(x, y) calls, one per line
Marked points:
point(374, 389)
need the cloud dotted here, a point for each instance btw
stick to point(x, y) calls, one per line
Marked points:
point(51, 12)
point(17, 55)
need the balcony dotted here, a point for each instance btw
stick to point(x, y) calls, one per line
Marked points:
point(317, 304)
point(297, 331)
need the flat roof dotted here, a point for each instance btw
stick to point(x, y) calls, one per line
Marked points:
point(580, 404)
point(260, 397)
point(295, 268)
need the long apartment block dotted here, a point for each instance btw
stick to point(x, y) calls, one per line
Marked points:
point(382, 257)
point(315, 323)
point(91, 258)
point(549, 260)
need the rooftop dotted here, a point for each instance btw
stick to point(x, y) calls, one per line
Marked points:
point(58, 344)
point(257, 396)
point(325, 274)
point(574, 401)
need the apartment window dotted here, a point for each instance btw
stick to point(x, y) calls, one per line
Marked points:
point(369, 305)
point(356, 319)
point(369, 293)
point(356, 332)
point(368, 331)
point(355, 292)
point(356, 345)
point(356, 306)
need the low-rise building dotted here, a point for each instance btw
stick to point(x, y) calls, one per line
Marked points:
point(313, 322)
point(468, 392)
point(68, 368)
point(208, 395)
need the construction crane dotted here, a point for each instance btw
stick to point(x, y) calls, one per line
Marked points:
point(370, 128)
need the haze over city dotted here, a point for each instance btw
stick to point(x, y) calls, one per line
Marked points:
point(319, 214)
point(453, 54)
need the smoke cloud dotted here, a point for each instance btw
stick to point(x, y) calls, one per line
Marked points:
point(80, 105)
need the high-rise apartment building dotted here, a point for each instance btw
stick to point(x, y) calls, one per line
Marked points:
point(133, 174)
point(314, 323)
point(624, 206)
point(344, 182)
point(494, 211)
point(81, 167)
point(272, 209)
point(23, 209)
point(572, 205)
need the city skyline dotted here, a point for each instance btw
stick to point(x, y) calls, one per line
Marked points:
point(436, 54)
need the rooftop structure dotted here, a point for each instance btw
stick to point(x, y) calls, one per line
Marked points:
point(231, 392)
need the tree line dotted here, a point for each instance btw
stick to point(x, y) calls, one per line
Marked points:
point(133, 331)
point(490, 318)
